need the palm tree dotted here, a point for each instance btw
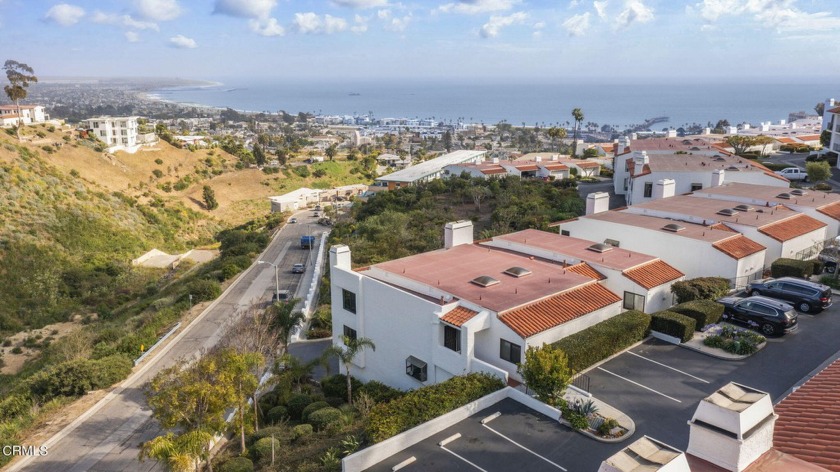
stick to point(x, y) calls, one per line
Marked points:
point(557, 133)
point(577, 114)
point(285, 319)
point(182, 453)
point(352, 346)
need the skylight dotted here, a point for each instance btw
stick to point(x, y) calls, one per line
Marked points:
point(518, 271)
point(783, 196)
point(798, 192)
point(744, 208)
point(600, 247)
point(484, 281)
point(728, 212)
point(673, 227)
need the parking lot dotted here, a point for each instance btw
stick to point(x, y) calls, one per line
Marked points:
point(657, 384)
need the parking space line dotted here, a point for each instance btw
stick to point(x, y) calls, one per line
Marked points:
point(638, 384)
point(463, 459)
point(668, 367)
point(524, 448)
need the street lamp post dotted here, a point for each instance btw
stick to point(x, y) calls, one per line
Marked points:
point(276, 279)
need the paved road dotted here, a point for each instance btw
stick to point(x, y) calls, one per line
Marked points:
point(109, 439)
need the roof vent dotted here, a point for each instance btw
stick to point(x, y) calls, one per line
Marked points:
point(744, 208)
point(783, 196)
point(732, 168)
point(798, 192)
point(728, 212)
point(673, 227)
point(484, 281)
point(695, 148)
point(518, 272)
point(720, 159)
point(600, 248)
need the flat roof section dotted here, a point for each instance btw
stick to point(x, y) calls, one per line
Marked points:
point(708, 210)
point(424, 169)
point(690, 230)
point(764, 194)
point(519, 439)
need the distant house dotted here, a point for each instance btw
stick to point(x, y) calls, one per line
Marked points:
point(29, 114)
point(295, 199)
point(119, 133)
point(483, 170)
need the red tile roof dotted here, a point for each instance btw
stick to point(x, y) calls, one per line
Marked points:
point(790, 228)
point(459, 316)
point(834, 110)
point(494, 170)
point(832, 210)
point(738, 246)
point(526, 167)
point(653, 274)
point(809, 420)
point(555, 166)
point(585, 164)
point(554, 311)
point(786, 140)
point(585, 269)
point(722, 227)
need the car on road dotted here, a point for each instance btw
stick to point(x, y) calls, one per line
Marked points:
point(281, 295)
point(793, 173)
point(292, 220)
point(805, 295)
point(298, 269)
point(767, 315)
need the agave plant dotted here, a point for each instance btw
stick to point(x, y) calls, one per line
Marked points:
point(587, 408)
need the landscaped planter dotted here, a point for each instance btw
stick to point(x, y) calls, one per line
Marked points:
point(733, 340)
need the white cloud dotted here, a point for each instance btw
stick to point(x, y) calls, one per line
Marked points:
point(492, 28)
point(360, 24)
point(267, 27)
point(122, 20)
point(635, 11)
point(245, 8)
point(360, 3)
point(782, 15)
point(383, 14)
point(577, 25)
point(312, 23)
point(132, 37)
point(65, 14)
point(182, 42)
point(574, 3)
point(600, 9)
point(158, 10)
point(398, 24)
point(472, 7)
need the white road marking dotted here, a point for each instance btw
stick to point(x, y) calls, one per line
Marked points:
point(667, 367)
point(449, 439)
point(404, 463)
point(524, 448)
point(465, 460)
point(491, 417)
point(640, 385)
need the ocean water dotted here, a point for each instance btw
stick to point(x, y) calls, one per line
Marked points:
point(532, 103)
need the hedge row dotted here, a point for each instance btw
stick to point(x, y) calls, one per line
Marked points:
point(604, 339)
point(673, 324)
point(783, 267)
point(704, 312)
point(701, 288)
point(425, 403)
point(73, 378)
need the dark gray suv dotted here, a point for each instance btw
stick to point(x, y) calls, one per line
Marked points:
point(804, 295)
point(764, 314)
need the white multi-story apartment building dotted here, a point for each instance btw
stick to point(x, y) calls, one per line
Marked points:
point(831, 122)
point(119, 133)
point(29, 114)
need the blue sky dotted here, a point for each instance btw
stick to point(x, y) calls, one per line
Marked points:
point(480, 39)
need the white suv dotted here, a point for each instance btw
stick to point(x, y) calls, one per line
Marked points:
point(793, 173)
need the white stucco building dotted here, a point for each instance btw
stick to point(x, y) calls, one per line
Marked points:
point(119, 133)
point(295, 200)
point(29, 114)
point(464, 308)
point(831, 121)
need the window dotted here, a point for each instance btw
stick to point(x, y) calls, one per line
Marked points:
point(349, 332)
point(565, 232)
point(124, 132)
point(452, 338)
point(416, 368)
point(648, 189)
point(348, 300)
point(634, 301)
point(96, 124)
point(510, 352)
point(102, 133)
point(696, 187)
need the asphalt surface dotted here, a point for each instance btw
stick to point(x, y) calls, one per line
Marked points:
point(109, 440)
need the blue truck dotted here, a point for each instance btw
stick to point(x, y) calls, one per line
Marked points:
point(307, 242)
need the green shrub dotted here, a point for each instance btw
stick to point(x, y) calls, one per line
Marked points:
point(604, 339)
point(576, 419)
point(17, 350)
point(607, 426)
point(312, 408)
point(823, 187)
point(673, 324)
point(704, 312)
point(14, 406)
point(324, 417)
point(296, 404)
point(78, 377)
point(157, 173)
point(204, 289)
point(425, 403)
point(701, 288)
point(379, 392)
point(336, 385)
point(831, 281)
point(302, 171)
point(783, 267)
point(277, 414)
point(301, 431)
point(238, 464)
point(262, 448)
point(734, 340)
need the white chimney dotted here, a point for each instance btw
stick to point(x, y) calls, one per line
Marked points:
point(707, 131)
point(622, 145)
point(782, 122)
point(340, 257)
point(672, 133)
point(765, 126)
point(495, 160)
point(634, 136)
point(732, 130)
point(640, 158)
point(732, 427)
point(538, 159)
point(717, 177)
point(746, 126)
point(646, 454)
point(664, 188)
point(597, 202)
point(457, 233)
point(793, 126)
point(580, 147)
point(554, 157)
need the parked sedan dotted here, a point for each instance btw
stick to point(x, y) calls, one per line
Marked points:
point(298, 269)
point(764, 314)
point(805, 295)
